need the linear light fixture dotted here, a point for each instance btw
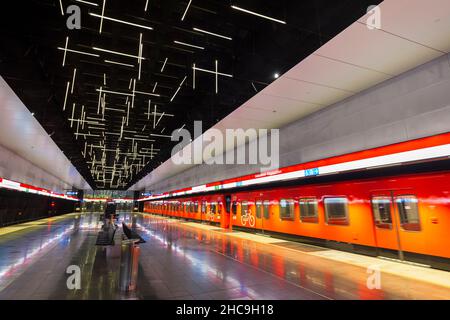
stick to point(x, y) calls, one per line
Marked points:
point(162, 115)
point(65, 97)
point(61, 7)
point(181, 127)
point(193, 76)
point(120, 63)
point(212, 33)
point(65, 51)
point(188, 45)
point(148, 93)
point(186, 10)
point(101, 20)
point(80, 52)
point(118, 53)
point(178, 89)
point(87, 2)
point(140, 56)
point(258, 14)
point(164, 65)
point(160, 135)
point(213, 72)
point(114, 92)
point(120, 21)
point(73, 79)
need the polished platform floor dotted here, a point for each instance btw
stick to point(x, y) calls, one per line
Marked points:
point(186, 260)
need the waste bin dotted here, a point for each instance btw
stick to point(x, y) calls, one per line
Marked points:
point(129, 262)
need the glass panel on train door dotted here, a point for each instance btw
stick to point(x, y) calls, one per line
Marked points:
point(266, 205)
point(408, 213)
point(381, 207)
point(203, 211)
point(258, 214)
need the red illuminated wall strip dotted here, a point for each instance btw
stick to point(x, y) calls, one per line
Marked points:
point(375, 152)
point(23, 187)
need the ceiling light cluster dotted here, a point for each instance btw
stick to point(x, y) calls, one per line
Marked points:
point(105, 128)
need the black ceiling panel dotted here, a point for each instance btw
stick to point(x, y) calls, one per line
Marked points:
point(113, 145)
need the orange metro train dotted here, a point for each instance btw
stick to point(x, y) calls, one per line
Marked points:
point(406, 217)
point(399, 209)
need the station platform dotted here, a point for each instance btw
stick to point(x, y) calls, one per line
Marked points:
point(190, 261)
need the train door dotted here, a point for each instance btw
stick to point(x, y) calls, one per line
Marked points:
point(397, 224)
point(226, 216)
point(259, 213)
point(203, 211)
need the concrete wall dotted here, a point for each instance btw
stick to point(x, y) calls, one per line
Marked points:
point(413, 105)
point(27, 152)
point(14, 167)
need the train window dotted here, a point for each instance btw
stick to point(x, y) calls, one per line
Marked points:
point(409, 213)
point(308, 210)
point(266, 205)
point(336, 211)
point(196, 206)
point(203, 207)
point(234, 207)
point(244, 208)
point(287, 209)
point(381, 207)
point(258, 209)
point(213, 207)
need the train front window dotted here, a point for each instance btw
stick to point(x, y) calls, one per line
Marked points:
point(258, 209)
point(266, 206)
point(336, 211)
point(408, 212)
point(308, 210)
point(381, 207)
point(287, 209)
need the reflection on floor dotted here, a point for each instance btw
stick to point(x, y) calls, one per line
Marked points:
point(185, 260)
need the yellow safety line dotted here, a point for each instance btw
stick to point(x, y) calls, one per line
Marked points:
point(29, 224)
